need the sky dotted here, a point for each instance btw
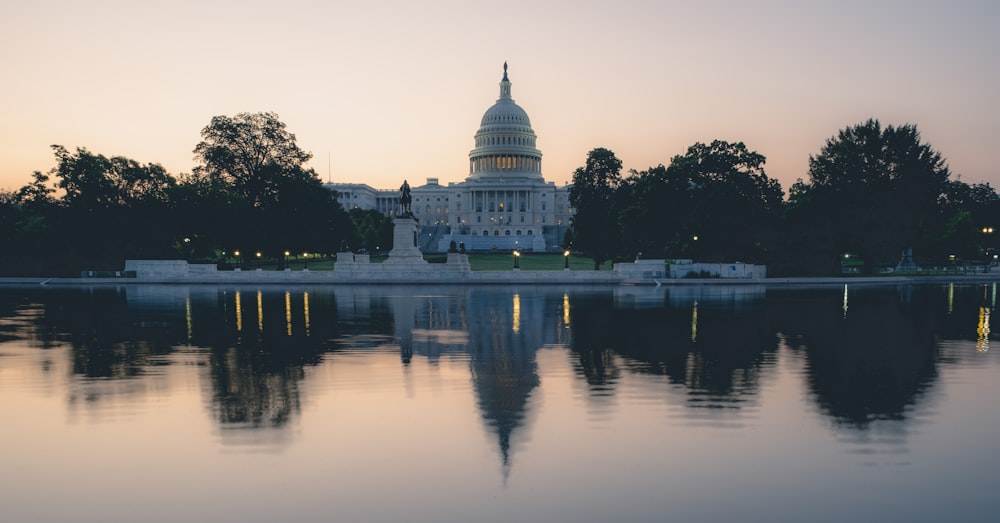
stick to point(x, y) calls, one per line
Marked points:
point(381, 91)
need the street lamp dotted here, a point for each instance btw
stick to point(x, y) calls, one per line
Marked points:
point(305, 260)
point(566, 260)
point(237, 254)
point(986, 248)
point(284, 261)
point(517, 260)
point(258, 259)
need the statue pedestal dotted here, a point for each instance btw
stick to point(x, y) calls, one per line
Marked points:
point(458, 262)
point(404, 251)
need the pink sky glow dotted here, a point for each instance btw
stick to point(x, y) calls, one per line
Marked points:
point(381, 91)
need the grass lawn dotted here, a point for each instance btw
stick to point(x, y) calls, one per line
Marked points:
point(531, 261)
point(479, 262)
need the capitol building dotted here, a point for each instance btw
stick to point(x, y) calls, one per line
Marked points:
point(503, 204)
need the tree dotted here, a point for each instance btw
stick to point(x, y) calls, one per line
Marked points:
point(968, 217)
point(253, 152)
point(278, 202)
point(713, 203)
point(596, 230)
point(872, 192)
point(374, 230)
point(112, 208)
point(93, 181)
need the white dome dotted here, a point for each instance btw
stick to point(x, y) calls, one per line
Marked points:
point(505, 112)
point(505, 142)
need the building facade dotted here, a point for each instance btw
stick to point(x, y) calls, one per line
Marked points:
point(503, 204)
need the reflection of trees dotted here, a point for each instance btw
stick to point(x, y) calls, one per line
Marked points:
point(710, 347)
point(104, 342)
point(256, 362)
point(867, 361)
point(874, 363)
point(250, 390)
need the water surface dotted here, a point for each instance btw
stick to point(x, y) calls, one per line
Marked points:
point(507, 404)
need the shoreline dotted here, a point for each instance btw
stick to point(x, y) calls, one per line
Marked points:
point(493, 278)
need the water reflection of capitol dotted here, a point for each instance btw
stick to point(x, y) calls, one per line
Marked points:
point(268, 335)
point(870, 354)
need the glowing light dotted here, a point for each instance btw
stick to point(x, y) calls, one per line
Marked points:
point(260, 311)
point(517, 313)
point(566, 310)
point(288, 312)
point(239, 313)
point(305, 309)
point(983, 330)
point(845, 301)
point(187, 316)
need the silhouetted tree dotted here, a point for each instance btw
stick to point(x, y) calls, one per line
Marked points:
point(714, 203)
point(596, 231)
point(113, 208)
point(871, 192)
point(278, 203)
point(374, 229)
point(254, 153)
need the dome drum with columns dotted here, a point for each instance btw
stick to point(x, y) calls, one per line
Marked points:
point(504, 202)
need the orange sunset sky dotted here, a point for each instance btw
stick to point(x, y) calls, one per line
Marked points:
point(380, 91)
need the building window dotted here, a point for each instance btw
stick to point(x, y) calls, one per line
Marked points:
point(506, 233)
point(496, 232)
point(530, 232)
point(518, 232)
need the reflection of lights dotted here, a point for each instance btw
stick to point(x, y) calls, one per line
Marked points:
point(951, 297)
point(566, 310)
point(983, 330)
point(288, 312)
point(694, 322)
point(845, 301)
point(517, 313)
point(260, 311)
point(239, 313)
point(187, 316)
point(305, 309)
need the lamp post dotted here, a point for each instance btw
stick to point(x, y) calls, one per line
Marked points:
point(987, 232)
point(259, 254)
point(566, 260)
point(284, 261)
point(237, 254)
point(305, 261)
point(517, 260)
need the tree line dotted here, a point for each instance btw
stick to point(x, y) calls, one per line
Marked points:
point(250, 191)
point(870, 193)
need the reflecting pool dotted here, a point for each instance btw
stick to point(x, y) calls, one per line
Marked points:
point(495, 403)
